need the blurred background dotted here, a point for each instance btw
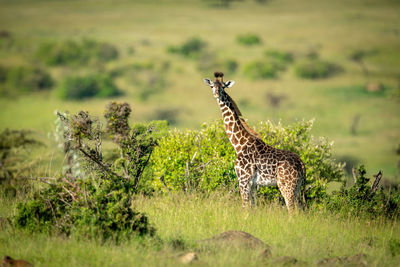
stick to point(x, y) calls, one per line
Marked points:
point(337, 62)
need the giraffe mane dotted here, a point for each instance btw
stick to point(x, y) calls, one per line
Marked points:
point(242, 121)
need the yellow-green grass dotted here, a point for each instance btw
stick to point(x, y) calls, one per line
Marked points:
point(308, 237)
point(332, 28)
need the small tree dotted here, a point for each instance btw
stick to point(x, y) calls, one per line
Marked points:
point(98, 204)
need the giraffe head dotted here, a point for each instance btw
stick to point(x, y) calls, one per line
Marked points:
point(218, 85)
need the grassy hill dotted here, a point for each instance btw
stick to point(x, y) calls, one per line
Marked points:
point(144, 32)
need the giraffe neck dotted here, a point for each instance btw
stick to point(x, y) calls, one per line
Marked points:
point(238, 132)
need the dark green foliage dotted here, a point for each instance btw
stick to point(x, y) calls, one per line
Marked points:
point(361, 200)
point(14, 145)
point(26, 79)
point(280, 57)
point(98, 206)
point(117, 115)
point(76, 52)
point(268, 68)
point(316, 69)
point(192, 48)
point(94, 208)
point(248, 39)
point(45, 211)
point(204, 160)
point(261, 70)
point(81, 87)
point(394, 247)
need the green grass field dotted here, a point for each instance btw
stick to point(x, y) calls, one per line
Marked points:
point(189, 218)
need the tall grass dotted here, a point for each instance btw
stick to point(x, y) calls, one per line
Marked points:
point(185, 218)
point(309, 236)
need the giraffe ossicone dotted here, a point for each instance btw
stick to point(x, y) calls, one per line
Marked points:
point(257, 164)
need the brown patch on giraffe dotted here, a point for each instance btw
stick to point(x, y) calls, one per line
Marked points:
point(242, 141)
point(234, 140)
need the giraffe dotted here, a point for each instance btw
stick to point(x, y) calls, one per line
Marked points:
point(257, 164)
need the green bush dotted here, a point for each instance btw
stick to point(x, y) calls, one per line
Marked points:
point(76, 52)
point(361, 200)
point(191, 48)
point(261, 70)
point(316, 69)
point(14, 164)
point(248, 39)
point(204, 160)
point(281, 57)
point(80, 87)
point(394, 246)
point(93, 208)
point(195, 160)
point(28, 79)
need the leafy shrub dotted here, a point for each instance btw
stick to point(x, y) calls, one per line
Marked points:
point(248, 39)
point(192, 48)
point(261, 70)
point(195, 160)
point(27, 79)
point(204, 160)
point(361, 199)
point(98, 209)
point(14, 145)
point(316, 69)
point(76, 52)
point(281, 57)
point(394, 246)
point(99, 205)
point(80, 87)
point(275, 62)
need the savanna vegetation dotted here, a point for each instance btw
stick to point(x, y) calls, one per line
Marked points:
point(112, 152)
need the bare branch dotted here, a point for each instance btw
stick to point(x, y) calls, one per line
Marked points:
point(375, 185)
point(353, 171)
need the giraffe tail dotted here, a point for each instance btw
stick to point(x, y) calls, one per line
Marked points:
point(303, 190)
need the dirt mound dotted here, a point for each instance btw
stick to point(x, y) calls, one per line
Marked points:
point(236, 239)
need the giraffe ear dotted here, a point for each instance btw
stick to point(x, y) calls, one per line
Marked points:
point(208, 82)
point(229, 84)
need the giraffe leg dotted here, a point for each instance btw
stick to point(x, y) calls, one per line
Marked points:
point(245, 176)
point(287, 188)
point(253, 188)
point(290, 202)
